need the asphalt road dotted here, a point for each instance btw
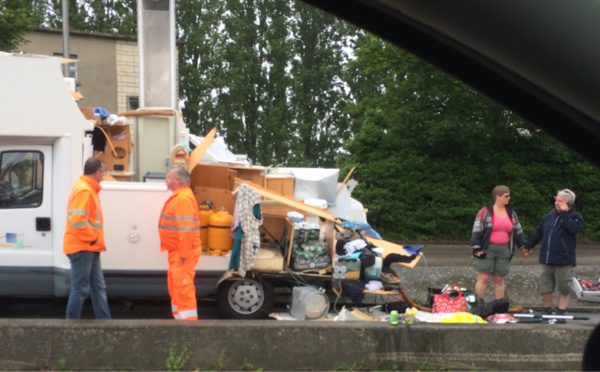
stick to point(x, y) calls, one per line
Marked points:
point(54, 308)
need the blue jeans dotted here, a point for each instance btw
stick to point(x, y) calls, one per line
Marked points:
point(86, 277)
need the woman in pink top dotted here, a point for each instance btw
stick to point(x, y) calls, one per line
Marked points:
point(496, 231)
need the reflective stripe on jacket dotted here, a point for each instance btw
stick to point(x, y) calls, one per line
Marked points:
point(85, 224)
point(179, 224)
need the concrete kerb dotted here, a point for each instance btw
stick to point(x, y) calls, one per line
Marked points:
point(285, 345)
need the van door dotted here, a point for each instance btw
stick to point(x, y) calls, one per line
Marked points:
point(26, 225)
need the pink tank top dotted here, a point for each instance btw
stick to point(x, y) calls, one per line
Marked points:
point(501, 230)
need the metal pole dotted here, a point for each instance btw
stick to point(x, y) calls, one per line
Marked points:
point(550, 316)
point(65, 32)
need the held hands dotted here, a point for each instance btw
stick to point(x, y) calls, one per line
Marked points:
point(525, 252)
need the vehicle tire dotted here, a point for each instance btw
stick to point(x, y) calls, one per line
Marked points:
point(245, 299)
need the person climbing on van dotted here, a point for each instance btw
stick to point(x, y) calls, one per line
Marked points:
point(179, 230)
point(84, 240)
point(496, 231)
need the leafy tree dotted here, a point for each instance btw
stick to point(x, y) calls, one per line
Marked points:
point(16, 17)
point(430, 150)
point(319, 93)
point(268, 74)
point(104, 16)
point(201, 62)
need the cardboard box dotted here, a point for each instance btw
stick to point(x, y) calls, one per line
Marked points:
point(586, 289)
point(117, 152)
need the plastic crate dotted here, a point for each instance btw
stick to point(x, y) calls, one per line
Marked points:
point(585, 292)
point(312, 263)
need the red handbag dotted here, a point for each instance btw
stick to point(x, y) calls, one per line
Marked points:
point(450, 301)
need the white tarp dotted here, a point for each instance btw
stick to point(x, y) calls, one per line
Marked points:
point(218, 152)
point(315, 183)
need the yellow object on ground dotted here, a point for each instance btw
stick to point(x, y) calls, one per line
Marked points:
point(463, 317)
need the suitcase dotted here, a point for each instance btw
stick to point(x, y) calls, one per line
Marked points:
point(586, 289)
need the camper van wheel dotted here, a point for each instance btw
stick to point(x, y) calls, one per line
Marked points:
point(245, 299)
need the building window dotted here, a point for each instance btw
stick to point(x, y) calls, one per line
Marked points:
point(133, 103)
point(21, 176)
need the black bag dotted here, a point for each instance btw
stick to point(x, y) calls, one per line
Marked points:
point(399, 306)
point(490, 308)
point(430, 293)
point(367, 257)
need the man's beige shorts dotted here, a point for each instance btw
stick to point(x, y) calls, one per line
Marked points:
point(555, 277)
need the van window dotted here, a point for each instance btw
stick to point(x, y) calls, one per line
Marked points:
point(21, 176)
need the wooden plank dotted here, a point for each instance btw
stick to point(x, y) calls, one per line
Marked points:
point(279, 209)
point(345, 180)
point(291, 202)
point(145, 112)
point(199, 151)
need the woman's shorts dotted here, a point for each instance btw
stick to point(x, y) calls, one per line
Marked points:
point(557, 277)
point(496, 261)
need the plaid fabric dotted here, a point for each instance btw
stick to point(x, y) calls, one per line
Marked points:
point(247, 199)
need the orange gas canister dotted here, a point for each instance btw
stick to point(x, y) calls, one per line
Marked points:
point(220, 241)
point(204, 213)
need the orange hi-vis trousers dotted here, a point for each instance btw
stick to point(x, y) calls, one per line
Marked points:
point(180, 279)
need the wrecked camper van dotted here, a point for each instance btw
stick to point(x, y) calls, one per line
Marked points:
point(42, 152)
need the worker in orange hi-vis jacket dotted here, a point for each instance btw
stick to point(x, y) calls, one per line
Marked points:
point(179, 230)
point(84, 240)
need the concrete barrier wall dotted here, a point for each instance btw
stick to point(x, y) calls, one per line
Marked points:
point(450, 264)
point(287, 346)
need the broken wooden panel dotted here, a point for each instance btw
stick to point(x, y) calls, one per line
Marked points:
point(281, 185)
point(219, 198)
point(211, 176)
point(256, 175)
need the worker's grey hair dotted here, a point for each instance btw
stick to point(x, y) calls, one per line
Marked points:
point(569, 194)
point(181, 171)
point(92, 165)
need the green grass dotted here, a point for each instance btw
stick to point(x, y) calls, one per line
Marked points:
point(176, 362)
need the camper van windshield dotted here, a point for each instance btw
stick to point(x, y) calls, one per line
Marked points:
point(21, 175)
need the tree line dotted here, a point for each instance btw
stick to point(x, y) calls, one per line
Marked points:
point(290, 85)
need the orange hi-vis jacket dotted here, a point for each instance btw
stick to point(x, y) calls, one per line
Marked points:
point(179, 224)
point(84, 231)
